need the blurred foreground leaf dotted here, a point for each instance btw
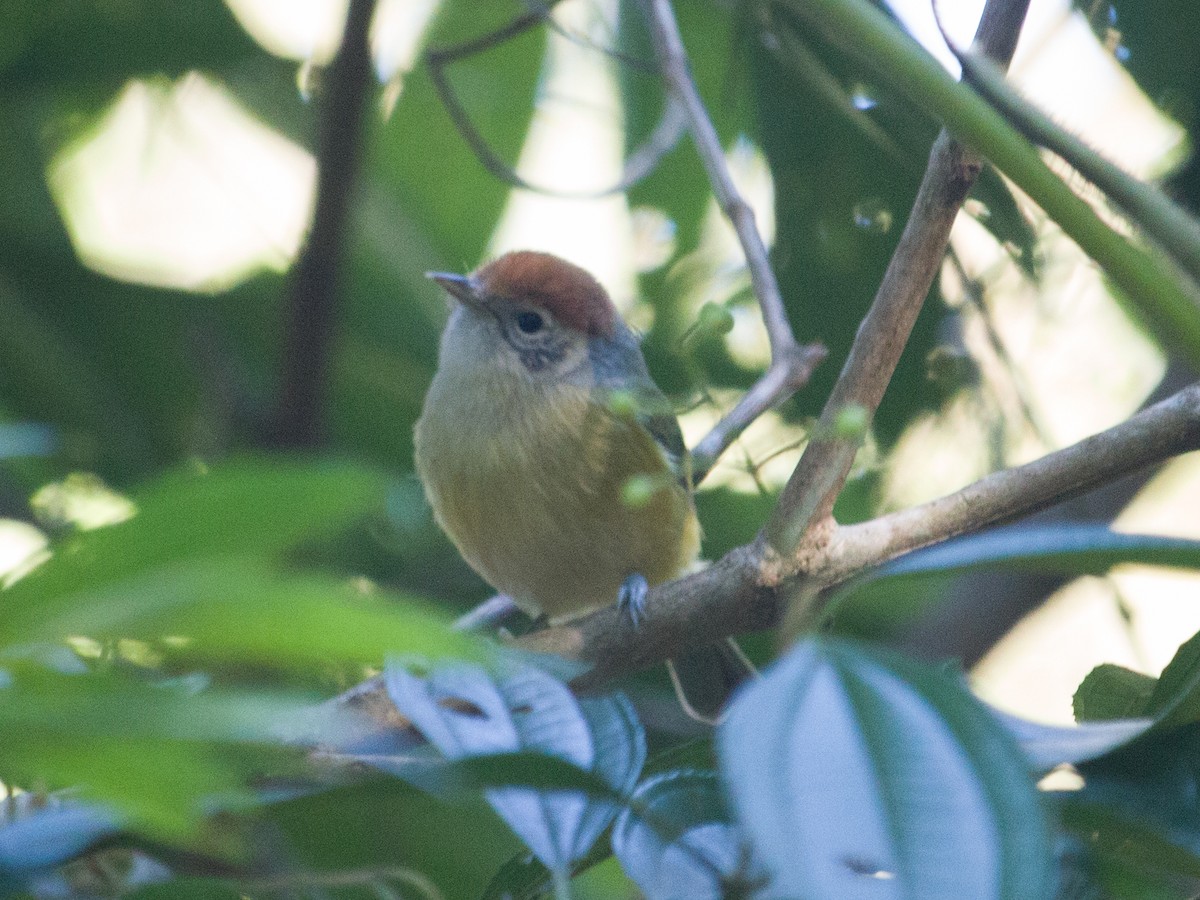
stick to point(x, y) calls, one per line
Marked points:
point(849, 767)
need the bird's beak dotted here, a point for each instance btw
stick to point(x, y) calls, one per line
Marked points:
point(460, 287)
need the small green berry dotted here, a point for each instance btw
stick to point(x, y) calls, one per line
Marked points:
point(714, 318)
point(852, 422)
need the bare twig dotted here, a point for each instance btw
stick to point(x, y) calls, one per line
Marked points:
point(1157, 433)
point(973, 292)
point(791, 364)
point(488, 614)
point(311, 297)
point(744, 591)
point(807, 500)
point(641, 162)
point(748, 588)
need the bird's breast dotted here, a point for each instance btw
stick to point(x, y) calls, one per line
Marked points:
point(531, 492)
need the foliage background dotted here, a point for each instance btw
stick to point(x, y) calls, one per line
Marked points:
point(134, 341)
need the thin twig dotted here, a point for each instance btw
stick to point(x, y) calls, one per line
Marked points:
point(311, 302)
point(642, 161)
point(744, 592)
point(973, 292)
point(748, 588)
point(791, 364)
point(807, 501)
point(1153, 435)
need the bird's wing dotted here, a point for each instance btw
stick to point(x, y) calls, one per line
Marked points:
point(620, 371)
point(664, 428)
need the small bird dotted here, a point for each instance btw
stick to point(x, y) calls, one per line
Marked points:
point(540, 419)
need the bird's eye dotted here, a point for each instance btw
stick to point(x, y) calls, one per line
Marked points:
point(530, 322)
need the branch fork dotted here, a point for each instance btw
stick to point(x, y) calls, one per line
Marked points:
point(802, 551)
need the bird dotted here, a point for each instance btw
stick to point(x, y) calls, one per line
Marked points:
point(548, 454)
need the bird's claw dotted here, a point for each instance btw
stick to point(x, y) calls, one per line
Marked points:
point(631, 598)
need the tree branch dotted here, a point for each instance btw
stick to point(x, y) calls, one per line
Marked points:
point(1153, 435)
point(791, 364)
point(311, 303)
point(746, 591)
point(809, 495)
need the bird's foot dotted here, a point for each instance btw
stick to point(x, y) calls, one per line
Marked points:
point(631, 598)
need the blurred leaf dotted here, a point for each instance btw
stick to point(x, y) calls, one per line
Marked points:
point(230, 609)
point(1113, 692)
point(39, 837)
point(676, 839)
point(26, 439)
point(1175, 698)
point(152, 752)
point(240, 508)
point(381, 823)
point(112, 706)
point(424, 160)
point(846, 765)
point(901, 589)
point(815, 105)
point(466, 713)
point(123, 39)
point(1138, 807)
point(1149, 284)
point(1048, 746)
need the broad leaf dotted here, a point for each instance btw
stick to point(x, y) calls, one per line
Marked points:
point(243, 508)
point(902, 588)
point(859, 773)
point(1047, 746)
point(676, 838)
point(1176, 696)
point(1113, 692)
point(465, 712)
point(34, 837)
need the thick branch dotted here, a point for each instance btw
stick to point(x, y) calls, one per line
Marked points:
point(808, 498)
point(791, 364)
point(311, 302)
point(1158, 433)
point(744, 592)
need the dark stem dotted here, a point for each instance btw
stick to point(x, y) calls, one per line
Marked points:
point(311, 298)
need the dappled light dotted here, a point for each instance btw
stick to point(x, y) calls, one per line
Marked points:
point(178, 186)
point(836, 430)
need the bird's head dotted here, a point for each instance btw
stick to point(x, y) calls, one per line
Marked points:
point(527, 313)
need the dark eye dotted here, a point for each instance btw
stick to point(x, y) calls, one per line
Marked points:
point(529, 322)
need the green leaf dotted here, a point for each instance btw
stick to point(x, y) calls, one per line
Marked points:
point(1113, 692)
point(251, 507)
point(848, 765)
point(152, 752)
point(1147, 280)
point(101, 705)
point(1138, 805)
point(677, 839)
point(470, 716)
point(426, 163)
point(1049, 746)
point(1175, 699)
point(227, 609)
point(901, 589)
